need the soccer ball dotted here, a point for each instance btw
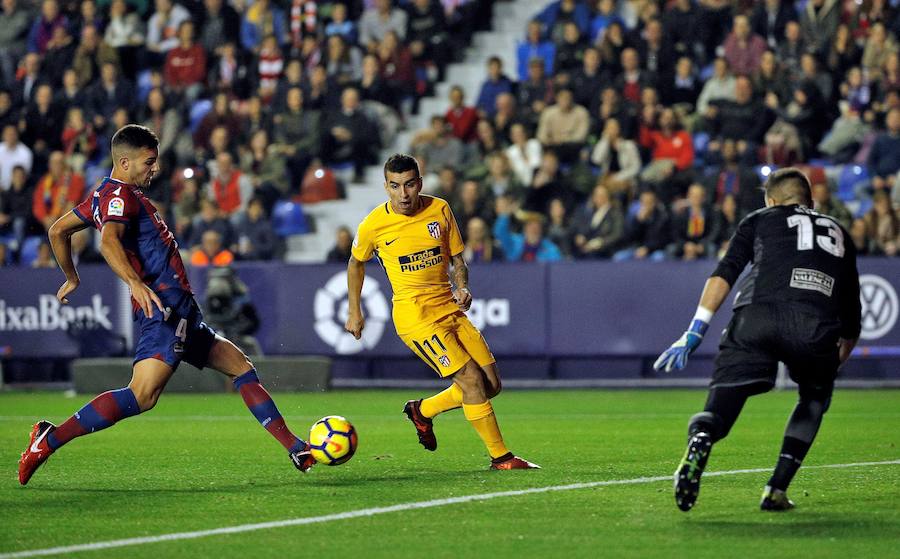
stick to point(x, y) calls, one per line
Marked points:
point(332, 440)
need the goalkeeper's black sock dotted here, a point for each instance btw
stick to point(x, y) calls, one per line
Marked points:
point(801, 431)
point(793, 451)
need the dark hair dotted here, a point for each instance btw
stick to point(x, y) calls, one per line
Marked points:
point(134, 136)
point(401, 163)
point(789, 183)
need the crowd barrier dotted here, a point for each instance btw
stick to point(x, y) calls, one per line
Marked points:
point(572, 321)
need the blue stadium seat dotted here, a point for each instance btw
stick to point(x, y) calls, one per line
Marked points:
point(851, 177)
point(288, 219)
point(29, 251)
point(198, 110)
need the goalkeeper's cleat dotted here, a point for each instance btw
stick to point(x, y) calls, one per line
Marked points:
point(687, 476)
point(775, 500)
point(511, 462)
point(37, 452)
point(424, 426)
point(303, 459)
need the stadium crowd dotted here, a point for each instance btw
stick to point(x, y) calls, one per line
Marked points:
point(636, 129)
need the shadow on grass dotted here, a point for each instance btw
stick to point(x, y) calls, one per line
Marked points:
point(772, 527)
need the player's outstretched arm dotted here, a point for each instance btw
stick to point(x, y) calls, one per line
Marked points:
point(461, 294)
point(676, 357)
point(60, 235)
point(356, 274)
point(112, 251)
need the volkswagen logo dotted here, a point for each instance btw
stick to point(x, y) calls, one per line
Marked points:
point(880, 306)
point(330, 307)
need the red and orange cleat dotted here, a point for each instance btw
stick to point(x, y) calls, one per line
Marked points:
point(37, 452)
point(424, 427)
point(511, 462)
point(303, 459)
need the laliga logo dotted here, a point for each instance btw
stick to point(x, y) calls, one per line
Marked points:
point(879, 306)
point(331, 312)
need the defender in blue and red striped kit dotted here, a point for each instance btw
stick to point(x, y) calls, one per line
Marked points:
point(140, 249)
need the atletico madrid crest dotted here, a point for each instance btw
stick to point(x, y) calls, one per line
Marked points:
point(434, 229)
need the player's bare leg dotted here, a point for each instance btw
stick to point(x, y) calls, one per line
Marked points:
point(229, 360)
point(479, 412)
point(149, 378)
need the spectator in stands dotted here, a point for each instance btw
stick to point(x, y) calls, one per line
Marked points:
point(693, 227)
point(605, 15)
point(632, 80)
point(373, 87)
point(342, 61)
point(462, 119)
point(270, 63)
point(495, 84)
point(221, 114)
point(611, 47)
point(125, 33)
point(438, 145)
point(587, 80)
point(349, 136)
point(727, 220)
point(506, 114)
point(210, 219)
point(720, 87)
point(770, 18)
point(807, 113)
point(564, 127)
point(165, 121)
point(843, 52)
point(480, 246)
point(230, 71)
point(533, 47)
point(859, 230)
point(533, 94)
point(397, 67)
point(487, 141)
point(13, 153)
point(549, 182)
point(44, 257)
point(211, 252)
point(15, 25)
point(56, 192)
point(570, 52)
point(340, 24)
point(884, 157)
point(745, 119)
point(43, 122)
point(883, 225)
point(472, 203)
point(79, 142)
point(769, 78)
point(879, 46)
point(426, 31)
point(558, 13)
point(340, 252)
point(827, 205)
point(162, 29)
point(297, 134)
point(186, 208)
point(16, 219)
point(221, 24)
point(185, 68)
point(560, 230)
point(261, 18)
point(42, 30)
point(26, 86)
point(90, 55)
point(683, 87)
point(378, 21)
point(446, 187)
point(523, 153)
point(501, 180)
point(256, 239)
point(732, 178)
point(655, 52)
point(110, 93)
point(819, 21)
point(672, 154)
point(743, 47)
point(599, 226)
point(809, 72)
point(267, 170)
point(528, 246)
point(229, 188)
point(647, 231)
point(618, 160)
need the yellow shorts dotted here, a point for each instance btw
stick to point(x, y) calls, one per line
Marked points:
point(446, 345)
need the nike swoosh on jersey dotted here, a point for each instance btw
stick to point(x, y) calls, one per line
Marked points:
point(389, 242)
point(37, 441)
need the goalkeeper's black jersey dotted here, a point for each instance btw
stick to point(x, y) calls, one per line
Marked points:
point(799, 257)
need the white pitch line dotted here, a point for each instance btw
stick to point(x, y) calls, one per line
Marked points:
point(385, 510)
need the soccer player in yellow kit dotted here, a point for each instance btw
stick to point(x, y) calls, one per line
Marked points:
point(415, 238)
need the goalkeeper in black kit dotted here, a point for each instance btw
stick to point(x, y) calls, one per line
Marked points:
point(799, 304)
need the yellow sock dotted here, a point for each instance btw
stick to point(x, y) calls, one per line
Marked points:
point(482, 418)
point(449, 399)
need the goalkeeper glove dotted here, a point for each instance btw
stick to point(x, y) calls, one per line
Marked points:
point(676, 356)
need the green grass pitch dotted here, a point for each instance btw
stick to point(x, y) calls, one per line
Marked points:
point(201, 462)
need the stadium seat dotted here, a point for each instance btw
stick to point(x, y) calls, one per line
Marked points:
point(29, 252)
point(849, 180)
point(198, 110)
point(288, 219)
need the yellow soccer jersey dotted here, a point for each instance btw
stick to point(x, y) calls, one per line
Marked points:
point(415, 252)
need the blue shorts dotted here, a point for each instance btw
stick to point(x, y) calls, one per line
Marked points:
point(182, 336)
